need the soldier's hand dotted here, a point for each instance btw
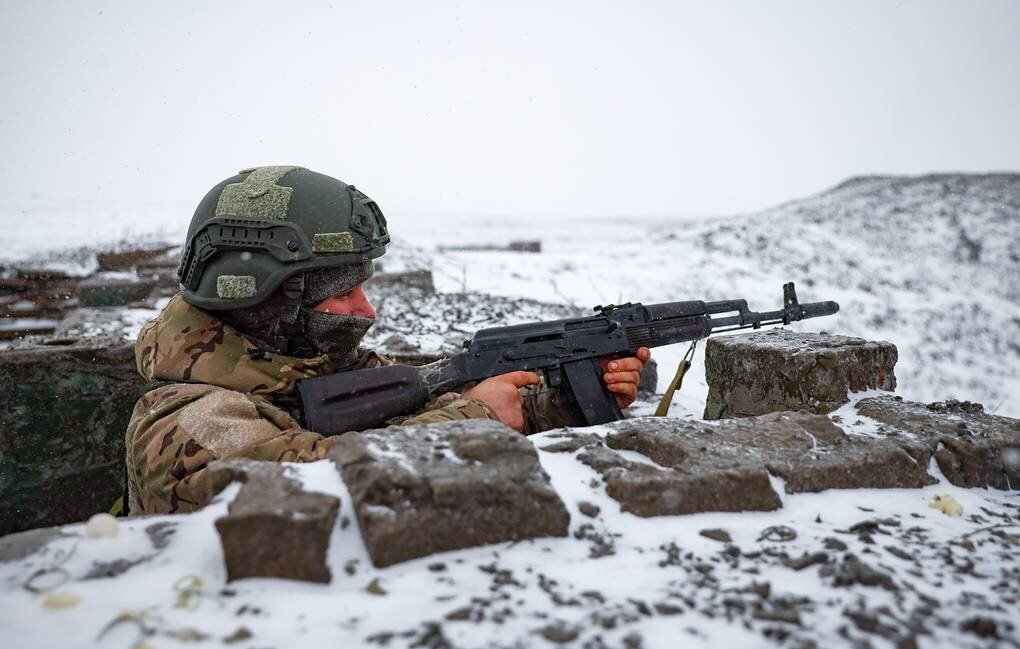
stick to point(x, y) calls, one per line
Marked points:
point(623, 374)
point(500, 393)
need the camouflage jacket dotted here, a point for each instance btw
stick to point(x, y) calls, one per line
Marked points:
point(225, 402)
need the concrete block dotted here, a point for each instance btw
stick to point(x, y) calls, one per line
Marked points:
point(781, 370)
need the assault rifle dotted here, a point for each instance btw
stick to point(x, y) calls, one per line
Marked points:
point(566, 352)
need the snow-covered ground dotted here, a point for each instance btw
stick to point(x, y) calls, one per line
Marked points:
point(931, 264)
point(618, 580)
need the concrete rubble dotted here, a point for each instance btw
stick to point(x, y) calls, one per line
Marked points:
point(779, 370)
point(273, 527)
point(419, 490)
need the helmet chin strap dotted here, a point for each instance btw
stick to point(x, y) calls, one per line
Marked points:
point(289, 336)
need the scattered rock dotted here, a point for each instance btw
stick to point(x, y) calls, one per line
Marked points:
point(375, 587)
point(273, 527)
point(971, 448)
point(240, 635)
point(853, 571)
point(806, 560)
point(832, 543)
point(783, 370)
point(463, 613)
point(486, 487)
point(983, 627)
point(588, 509)
point(665, 608)
point(717, 535)
point(778, 613)
point(869, 622)
point(560, 633)
point(160, 533)
point(15, 547)
point(108, 569)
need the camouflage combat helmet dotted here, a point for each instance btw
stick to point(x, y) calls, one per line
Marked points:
point(255, 230)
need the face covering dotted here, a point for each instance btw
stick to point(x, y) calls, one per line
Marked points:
point(308, 333)
point(336, 334)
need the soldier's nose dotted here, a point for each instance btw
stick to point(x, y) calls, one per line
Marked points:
point(359, 305)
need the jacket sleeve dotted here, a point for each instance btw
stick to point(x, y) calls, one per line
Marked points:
point(177, 430)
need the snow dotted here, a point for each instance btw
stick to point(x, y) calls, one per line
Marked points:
point(893, 252)
point(540, 573)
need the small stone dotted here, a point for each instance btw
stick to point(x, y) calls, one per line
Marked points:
point(375, 587)
point(832, 543)
point(786, 614)
point(439, 566)
point(588, 509)
point(899, 552)
point(806, 560)
point(665, 608)
point(761, 589)
point(984, 627)
point(717, 535)
point(559, 633)
point(242, 633)
point(462, 613)
point(351, 567)
point(101, 526)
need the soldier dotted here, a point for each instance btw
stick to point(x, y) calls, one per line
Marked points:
point(271, 292)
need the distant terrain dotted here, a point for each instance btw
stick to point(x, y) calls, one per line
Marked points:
point(930, 263)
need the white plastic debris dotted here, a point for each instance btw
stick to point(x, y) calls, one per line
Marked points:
point(947, 505)
point(101, 526)
point(61, 600)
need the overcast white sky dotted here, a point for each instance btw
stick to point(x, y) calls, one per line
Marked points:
point(540, 108)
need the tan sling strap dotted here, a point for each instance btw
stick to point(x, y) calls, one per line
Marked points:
point(678, 379)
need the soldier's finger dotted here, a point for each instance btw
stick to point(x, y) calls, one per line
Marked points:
point(622, 377)
point(629, 364)
point(644, 355)
point(624, 389)
point(521, 378)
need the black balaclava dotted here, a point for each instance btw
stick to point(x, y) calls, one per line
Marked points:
point(284, 323)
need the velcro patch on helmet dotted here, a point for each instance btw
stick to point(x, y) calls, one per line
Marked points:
point(332, 242)
point(257, 196)
point(235, 287)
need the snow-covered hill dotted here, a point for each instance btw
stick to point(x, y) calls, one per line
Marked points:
point(931, 264)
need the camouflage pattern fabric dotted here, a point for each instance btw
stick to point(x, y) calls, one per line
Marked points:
point(227, 400)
